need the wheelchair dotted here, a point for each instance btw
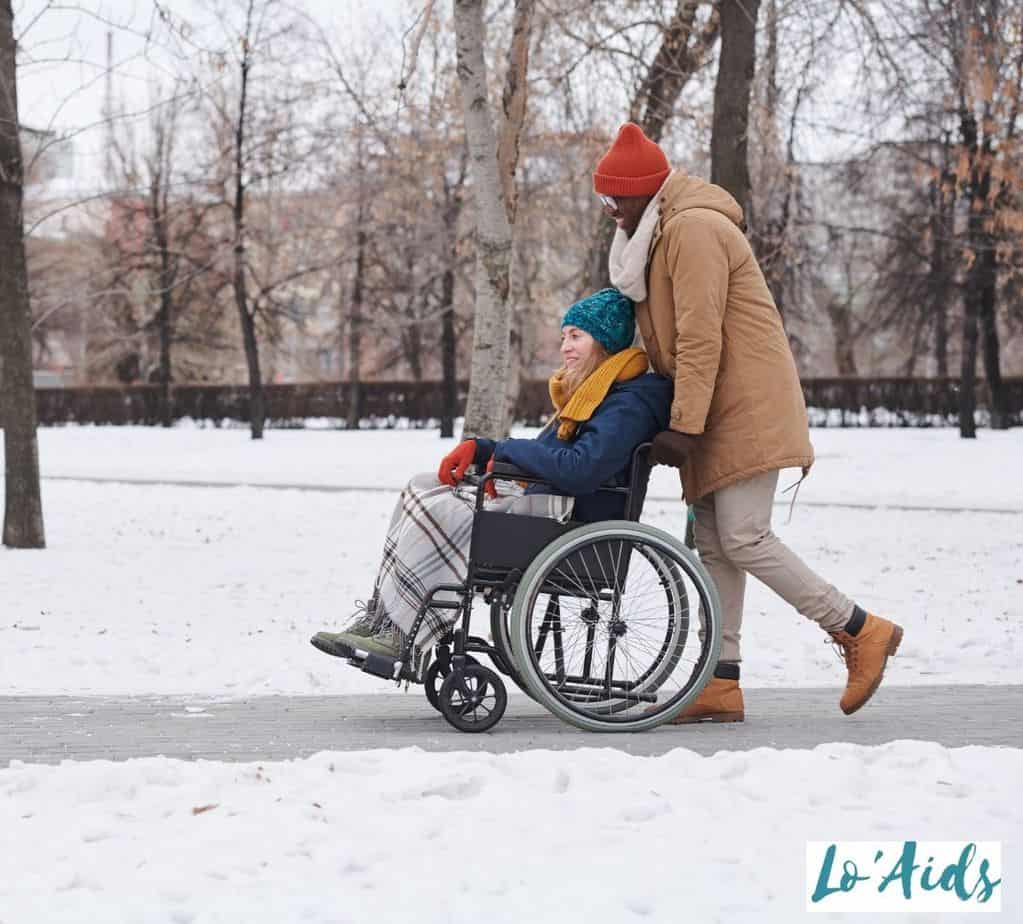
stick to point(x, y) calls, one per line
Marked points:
point(612, 626)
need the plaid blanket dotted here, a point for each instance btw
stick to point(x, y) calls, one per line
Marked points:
point(428, 544)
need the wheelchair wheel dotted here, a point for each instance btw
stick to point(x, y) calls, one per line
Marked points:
point(478, 703)
point(600, 627)
point(434, 679)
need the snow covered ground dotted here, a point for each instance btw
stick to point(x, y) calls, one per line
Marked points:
point(409, 836)
point(215, 591)
point(862, 466)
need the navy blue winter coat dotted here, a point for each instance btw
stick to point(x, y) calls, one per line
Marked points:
point(632, 413)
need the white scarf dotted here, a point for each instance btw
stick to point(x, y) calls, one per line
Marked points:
point(629, 255)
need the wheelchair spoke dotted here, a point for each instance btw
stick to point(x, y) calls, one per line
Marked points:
point(622, 630)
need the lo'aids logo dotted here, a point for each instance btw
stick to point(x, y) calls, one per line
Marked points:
point(926, 876)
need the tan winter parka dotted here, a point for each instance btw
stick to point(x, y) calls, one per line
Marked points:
point(709, 322)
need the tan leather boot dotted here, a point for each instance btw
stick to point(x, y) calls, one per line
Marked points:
point(865, 655)
point(719, 701)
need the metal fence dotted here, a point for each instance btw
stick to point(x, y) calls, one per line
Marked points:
point(841, 402)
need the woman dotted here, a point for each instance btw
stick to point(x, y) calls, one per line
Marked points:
point(606, 404)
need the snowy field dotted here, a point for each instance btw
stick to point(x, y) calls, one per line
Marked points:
point(932, 468)
point(407, 836)
point(163, 589)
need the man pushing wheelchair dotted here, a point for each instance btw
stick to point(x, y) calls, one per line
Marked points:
point(569, 621)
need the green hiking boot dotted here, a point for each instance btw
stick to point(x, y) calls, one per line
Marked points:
point(337, 644)
point(363, 622)
point(386, 642)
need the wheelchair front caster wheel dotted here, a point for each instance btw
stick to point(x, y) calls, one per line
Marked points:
point(475, 704)
point(434, 678)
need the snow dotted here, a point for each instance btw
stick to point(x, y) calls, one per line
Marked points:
point(409, 836)
point(163, 589)
point(916, 467)
point(167, 589)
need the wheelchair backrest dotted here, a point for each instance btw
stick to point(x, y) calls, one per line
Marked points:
point(639, 481)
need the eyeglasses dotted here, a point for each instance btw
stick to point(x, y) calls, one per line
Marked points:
point(609, 201)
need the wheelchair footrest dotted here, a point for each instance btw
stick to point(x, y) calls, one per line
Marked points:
point(382, 666)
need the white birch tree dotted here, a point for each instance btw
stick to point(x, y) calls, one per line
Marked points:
point(486, 411)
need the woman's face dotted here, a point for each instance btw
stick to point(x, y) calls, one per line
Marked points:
point(576, 346)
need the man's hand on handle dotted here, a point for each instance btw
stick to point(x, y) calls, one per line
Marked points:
point(671, 448)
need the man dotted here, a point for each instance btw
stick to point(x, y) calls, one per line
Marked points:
point(708, 321)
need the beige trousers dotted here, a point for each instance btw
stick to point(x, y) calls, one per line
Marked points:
point(734, 538)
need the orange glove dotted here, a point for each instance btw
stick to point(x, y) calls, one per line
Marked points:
point(490, 488)
point(454, 464)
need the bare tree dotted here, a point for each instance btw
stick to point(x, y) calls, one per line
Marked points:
point(239, 279)
point(263, 147)
point(979, 52)
point(356, 317)
point(23, 509)
point(164, 240)
point(729, 166)
point(685, 48)
point(486, 409)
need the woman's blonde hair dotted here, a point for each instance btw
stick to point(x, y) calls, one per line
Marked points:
point(571, 379)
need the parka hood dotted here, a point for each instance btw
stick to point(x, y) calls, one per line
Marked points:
point(682, 192)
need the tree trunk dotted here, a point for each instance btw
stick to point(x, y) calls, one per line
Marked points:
point(942, 227)
point(681, 54)
point(246, 314)
point(990, 346)
point(840, 316)
point(513, 101)
point(412, 343)
point(770, 230)
point(978, 239)
point(968, 368)
point(674, 64)
point(448, 356)
point(257, 408)
point(736, 66)
point(940, 295)
point(448, 341)
point(165, 323)
point(941, 341)
point(598, 273)
point(354, 414)
point(165, 318)
point(23, 508)
point(485, 413)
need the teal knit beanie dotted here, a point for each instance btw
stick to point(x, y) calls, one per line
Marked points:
point(607, 316)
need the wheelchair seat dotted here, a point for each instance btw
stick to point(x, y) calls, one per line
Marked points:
point(504, 544)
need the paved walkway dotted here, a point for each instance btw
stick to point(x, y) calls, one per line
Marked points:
point(50, 729)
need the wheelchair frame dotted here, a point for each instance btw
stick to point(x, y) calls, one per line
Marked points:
point(502, 548)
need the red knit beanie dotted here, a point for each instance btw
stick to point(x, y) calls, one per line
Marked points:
point(633, 166)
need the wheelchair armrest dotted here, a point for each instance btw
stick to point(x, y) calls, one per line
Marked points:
point(513, 472)
point(507, 470)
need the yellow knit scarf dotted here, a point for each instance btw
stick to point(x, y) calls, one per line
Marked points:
point(628, 364)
